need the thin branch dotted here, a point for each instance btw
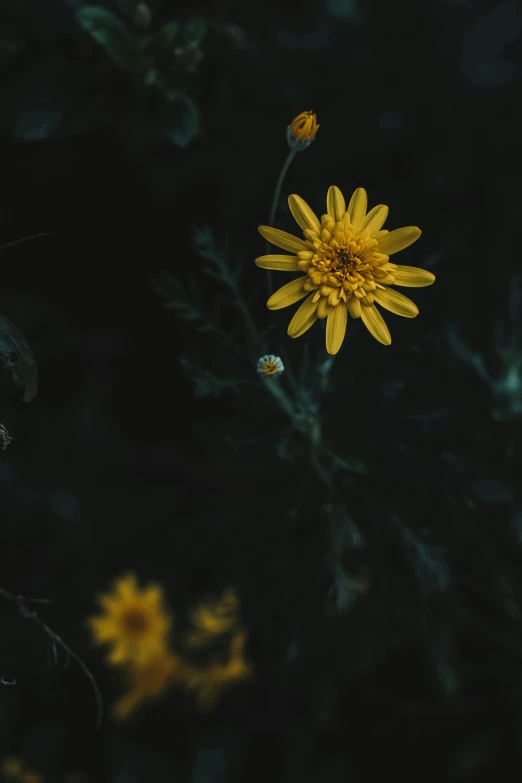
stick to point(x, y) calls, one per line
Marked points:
point(25, 239)
point(20, 603)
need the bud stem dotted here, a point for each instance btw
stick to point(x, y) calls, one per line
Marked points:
point(275, 202)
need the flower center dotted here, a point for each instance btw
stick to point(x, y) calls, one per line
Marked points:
point(344, 263)
point(342, 266)
point(135, 621)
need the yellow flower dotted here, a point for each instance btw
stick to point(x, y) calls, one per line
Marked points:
point(302, 130)
point(209, 682)
point(147, 681)
point(135, 623)
point(212, 620)
point(346, 266)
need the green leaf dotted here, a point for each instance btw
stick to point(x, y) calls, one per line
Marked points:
point(181, 120)
point(167, 89)
point(186, 304)
point(18, 358)
point(119, 43)
point(194, 32)
point(162, 42)
point(48, 99)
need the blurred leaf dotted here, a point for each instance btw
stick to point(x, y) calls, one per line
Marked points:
point(342, 9)
point(194, 32)
point(168, 89)
point(162, 42)
point(110, 32)
point(187, 306)
point(206, 382)
point(18, 357)
point(11, 45)
point(48, 99)
point(483, 62)
point(181, 120)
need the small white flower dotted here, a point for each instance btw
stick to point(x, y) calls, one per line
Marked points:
point(270, 366)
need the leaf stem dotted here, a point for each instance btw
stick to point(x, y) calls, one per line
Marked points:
point(56, 641)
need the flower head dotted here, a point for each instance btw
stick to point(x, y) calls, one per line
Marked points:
point(270, 365)
point(134, 622)
point(346, 269)
point(147, 681)
point(302, 130)
point(213, 619)
point(209, 682)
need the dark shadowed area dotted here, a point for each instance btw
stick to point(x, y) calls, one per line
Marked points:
point(362, 510)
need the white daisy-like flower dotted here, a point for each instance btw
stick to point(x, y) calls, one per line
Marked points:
point(270, 366)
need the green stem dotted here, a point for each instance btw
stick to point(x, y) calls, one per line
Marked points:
point(275, 202)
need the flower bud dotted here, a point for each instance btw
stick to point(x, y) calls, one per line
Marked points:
point(302, 130)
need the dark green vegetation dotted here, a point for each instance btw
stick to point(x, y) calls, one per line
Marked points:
point(382, 597)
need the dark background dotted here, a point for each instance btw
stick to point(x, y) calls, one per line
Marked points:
point(116, 464)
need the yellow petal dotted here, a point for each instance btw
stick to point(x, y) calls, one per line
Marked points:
point(395, 302)
point(281, 263)
point(380, 234)
point(357, 207)
point(374, 322)
point(304, 318)
point(398, 239)
point(287, 295)
point(282, 239)
point(335, 203)
point(354, 307)
point(303, 215)
point(375, 219)
point(336, 328)
point(323, 308)
point(412, 276)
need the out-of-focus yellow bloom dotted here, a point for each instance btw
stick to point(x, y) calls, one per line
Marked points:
point(209, 682)
point(11, 767)
point(213, 619)
point(344, 258)
point(302, 130)
point(147, 682)
point(14, 771)
point(135, 623)
point(31, 777)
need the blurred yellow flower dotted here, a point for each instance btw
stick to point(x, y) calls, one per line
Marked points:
point(147, 681)
point(346, 266)
point(11, 767)
point(303, 129)
point(135, 623)
point(31, 777)
point(213, 619)
point(209, 682)
point(14, 771)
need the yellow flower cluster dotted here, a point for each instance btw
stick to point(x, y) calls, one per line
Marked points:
point(208, 682)
point(137, 628)
point(213, 623)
